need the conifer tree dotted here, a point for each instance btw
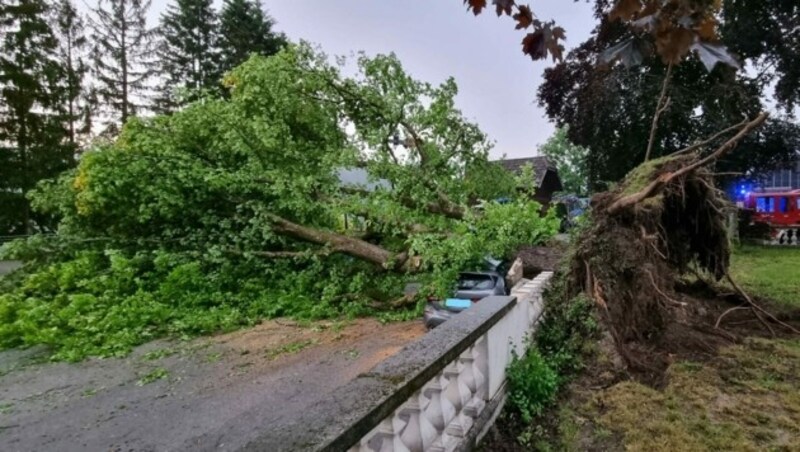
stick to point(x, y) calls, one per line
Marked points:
point(187, 51)
point(30, 132)
point(73, 46)
point(246, 29)
point(122, 56)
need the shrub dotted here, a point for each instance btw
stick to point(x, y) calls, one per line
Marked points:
point(554, 357)
point(532, 385)
point(562, 335)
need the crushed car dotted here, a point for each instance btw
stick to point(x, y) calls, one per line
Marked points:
point(471, 287)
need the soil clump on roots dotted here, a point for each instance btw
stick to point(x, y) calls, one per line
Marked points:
point(651, 264)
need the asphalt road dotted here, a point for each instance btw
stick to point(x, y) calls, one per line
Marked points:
point(216, 394)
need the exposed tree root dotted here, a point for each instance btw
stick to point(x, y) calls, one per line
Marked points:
point(667, 219)
point(722, 316)
point(657, 185)
point(663, 295)
point(758, 309)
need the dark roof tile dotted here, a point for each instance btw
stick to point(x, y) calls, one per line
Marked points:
point(540, 166)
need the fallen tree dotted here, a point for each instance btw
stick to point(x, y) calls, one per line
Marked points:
point(304, 193)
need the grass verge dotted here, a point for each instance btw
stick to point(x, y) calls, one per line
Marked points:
point(769, 272)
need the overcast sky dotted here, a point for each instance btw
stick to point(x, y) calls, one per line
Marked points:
point(436, 39)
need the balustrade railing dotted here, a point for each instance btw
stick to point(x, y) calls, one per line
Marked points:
point(439, 415)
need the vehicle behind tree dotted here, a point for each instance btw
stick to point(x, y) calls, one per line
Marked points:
point(471, 287)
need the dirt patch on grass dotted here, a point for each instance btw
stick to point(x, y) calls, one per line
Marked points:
point(692, 334)
point(737, 395)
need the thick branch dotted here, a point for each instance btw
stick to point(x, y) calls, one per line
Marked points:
point(663, 103)
point(418, 143)
point(726, 147)
point(655, 187)
point(340, 243)
point(447, 208)
point(710, 140)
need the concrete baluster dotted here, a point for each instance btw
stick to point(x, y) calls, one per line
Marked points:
point(418, 434)
point(468, 373)
point(458, 395)
point(440, 412)
point(380, 439)
point(473, 381)
point(480, 367)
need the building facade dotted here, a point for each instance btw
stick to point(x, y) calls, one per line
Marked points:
point(784, 179)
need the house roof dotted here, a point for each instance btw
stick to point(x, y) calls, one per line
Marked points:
point(540, 166)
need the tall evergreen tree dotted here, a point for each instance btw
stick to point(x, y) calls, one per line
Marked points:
point(122, 55)
point(30, 132)
point(246, 29)
point(188, 54)
point(73, 44)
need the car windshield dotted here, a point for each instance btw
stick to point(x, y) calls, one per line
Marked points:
point(475, 282)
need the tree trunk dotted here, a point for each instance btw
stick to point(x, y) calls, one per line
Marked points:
point(27, 178)
point(447, 208)
point(124, 67)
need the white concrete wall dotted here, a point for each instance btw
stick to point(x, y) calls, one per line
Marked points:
point(445, 414)
point(513, 332)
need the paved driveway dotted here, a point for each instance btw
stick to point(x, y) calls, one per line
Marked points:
point(215, 394)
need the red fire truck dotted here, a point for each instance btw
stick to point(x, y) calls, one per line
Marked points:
point(779, 210)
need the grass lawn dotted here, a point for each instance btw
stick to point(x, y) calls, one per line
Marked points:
point(746, 398)
point(769, 272)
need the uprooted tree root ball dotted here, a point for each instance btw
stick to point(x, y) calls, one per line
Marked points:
point(629, 262)
point(652, 242)
point(665, 221)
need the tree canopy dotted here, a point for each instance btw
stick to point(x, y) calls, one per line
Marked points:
point(236, 208)
point(610, 108)
point(766, 34)
point(122, 52)
point(60, 82)
point(188, 51)
point(245, 28)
